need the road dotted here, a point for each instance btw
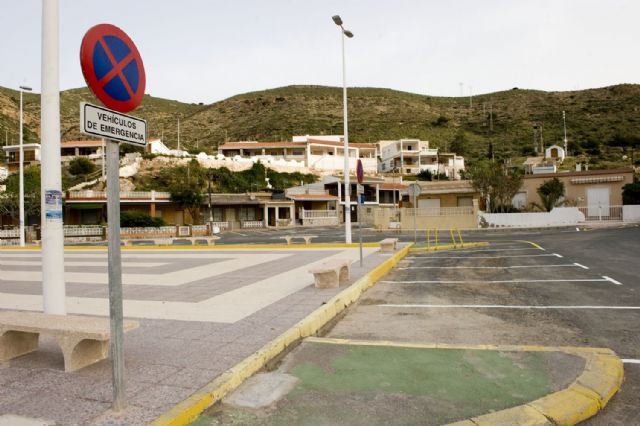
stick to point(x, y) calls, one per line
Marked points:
point(578, 289)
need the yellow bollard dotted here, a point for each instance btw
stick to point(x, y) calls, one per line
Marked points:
point(460, 236)
point(428, 238)
point(453, 238)
point(436, 230)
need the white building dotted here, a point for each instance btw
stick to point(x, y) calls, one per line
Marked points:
point(3, 173)
point(321, 153)
point(412, 156)
point(30, 152)
point(555, 152)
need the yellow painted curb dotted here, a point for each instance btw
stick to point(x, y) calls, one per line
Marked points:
point(450, 246)
point(522, 416)
point(186, 411)
point(589, 393)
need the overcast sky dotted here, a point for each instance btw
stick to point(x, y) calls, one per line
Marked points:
point(208, 50)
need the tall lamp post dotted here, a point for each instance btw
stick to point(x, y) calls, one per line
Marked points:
point(347, 193)
point(21, 190)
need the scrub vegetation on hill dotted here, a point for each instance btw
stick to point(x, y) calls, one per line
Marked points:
point(602, 124)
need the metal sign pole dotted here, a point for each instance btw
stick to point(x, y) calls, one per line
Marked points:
point(115, 275)
point(415, 211)
point(360, 226)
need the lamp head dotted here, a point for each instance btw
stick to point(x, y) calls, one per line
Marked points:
point(348, 33)
point(337, 19)
point(27, 88)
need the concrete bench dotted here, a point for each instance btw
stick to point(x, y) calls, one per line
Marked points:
point(307, 238)
point(332, 273)
point(388, 244)
point(83, 340)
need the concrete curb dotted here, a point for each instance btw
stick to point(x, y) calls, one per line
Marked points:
point(216, 247)
point(584, 398)
point(186, 411)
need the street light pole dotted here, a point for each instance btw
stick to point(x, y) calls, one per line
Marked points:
point(347, 186)
point(21, 189)
point(209, 189)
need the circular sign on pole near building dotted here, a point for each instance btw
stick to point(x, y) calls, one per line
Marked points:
point(112, 67)
point(414, 190)
point(360, 172)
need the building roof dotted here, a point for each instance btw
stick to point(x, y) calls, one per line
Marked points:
point(339, 144)
point(24, 146)
point(312, 197)
point(392, 185)
point(582, 173)
point(446, 187)
point(260, 145)
point(81, 144)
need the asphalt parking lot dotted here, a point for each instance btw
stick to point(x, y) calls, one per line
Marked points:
point(569, 288)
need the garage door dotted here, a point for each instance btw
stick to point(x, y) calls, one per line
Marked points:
point(598, 201)
point(427, 203)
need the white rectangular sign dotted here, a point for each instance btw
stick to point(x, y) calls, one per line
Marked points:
point(360, 189)
point(105, 123)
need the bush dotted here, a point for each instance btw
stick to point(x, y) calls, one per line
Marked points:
point(631, 193)
point(81, 166)
point(139, 220)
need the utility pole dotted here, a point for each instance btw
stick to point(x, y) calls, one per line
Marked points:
point(491, 117)
point(470, 97)
point(564, 124)
point(178, 134)
point(461, 89)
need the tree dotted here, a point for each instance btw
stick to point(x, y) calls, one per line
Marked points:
point(425, 175)
point(459, 143)
point(551, 192)
point(9, 203)
point(81, 166)
point(497, 185)
point(631, 193)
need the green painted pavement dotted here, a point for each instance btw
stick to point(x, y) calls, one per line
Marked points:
point(365, 385)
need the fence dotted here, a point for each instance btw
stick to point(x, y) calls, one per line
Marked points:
point(319, 217)
point(251, 224)
point(601, 213)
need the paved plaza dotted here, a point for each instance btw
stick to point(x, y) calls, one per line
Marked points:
point(201, 311)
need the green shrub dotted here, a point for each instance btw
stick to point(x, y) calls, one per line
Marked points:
point(139, 220)
point(631, 193)
point(81, 166)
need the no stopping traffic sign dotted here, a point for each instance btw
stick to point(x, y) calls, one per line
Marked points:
point(112, 67)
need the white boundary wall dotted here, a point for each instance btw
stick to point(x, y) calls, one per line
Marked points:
point(557, 217)
point(631, 213)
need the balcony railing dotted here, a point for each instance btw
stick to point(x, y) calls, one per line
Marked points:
point(124, 195)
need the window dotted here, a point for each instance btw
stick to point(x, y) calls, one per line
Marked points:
point(247, 213)
point(465, 201)
point(382, 166)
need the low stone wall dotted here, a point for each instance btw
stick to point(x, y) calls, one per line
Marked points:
point(631, 213)
point(560, 216)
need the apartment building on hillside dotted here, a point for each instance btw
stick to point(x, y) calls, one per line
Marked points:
point(412, 156)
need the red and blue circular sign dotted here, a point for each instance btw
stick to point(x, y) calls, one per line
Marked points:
point(112, 67)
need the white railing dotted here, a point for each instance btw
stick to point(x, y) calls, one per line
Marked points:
point(124, 195)
point(319, 214)
point(10, 233)
point(160, 230)
point(221, 225)
point(599, 213)
point(251, 224)
point(439, 211)
point(83, 231)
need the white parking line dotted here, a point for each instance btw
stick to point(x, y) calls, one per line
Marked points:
point(425, 306)
point(630, 361)
point(586, 280)
point(481, 257)
point(470, 250)
point(580, 265)
point(611, 280)
point(492, 267)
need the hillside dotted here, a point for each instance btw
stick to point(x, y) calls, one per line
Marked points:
point(594, 117)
